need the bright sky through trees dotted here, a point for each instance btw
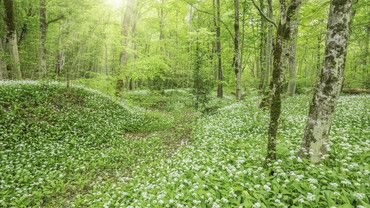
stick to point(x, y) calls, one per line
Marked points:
point(116, 4)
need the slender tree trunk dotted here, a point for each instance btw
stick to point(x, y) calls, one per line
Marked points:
point(270, 42)
point(196, 73)
point(106, 61)
point(263, 46)
point(11, 44)
point(237, 63)
point(220, 90)
point(3, 71)
point(293, 53)
point(161, 21)
point(43, 31)
point(316, 136)
point(243, 38)
point(133, 47)
point(125, 44)
point(280, 57)
point(60, 56)
point(366, 56)
point(266, 99)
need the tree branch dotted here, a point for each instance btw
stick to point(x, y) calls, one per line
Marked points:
point(207, 12)
point(56, 19)
point(263, 15)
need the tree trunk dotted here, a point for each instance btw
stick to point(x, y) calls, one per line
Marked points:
point(270, 42)
point(280, 57)
point(243, 38)
point(316, 136)
point(133, 47)
point(263, 46)
point(366, 56)
point(293, 54)
point(196, 73)
point(42, 49)
point(237, 63)
point(161, 22)
point(3, 71)
point(125, 44)
point(266, 99)
point(11, 44)
point(60, 56)
point(220, 91)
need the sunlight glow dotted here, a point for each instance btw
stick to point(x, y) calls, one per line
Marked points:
point(116, 4)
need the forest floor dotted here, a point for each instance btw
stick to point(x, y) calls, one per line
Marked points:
point(79, 148)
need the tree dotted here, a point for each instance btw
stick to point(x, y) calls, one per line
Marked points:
point(316, 135)
point(43, 30)
point(293, 53)
point(3, 71)
point(125, 44)
point(280, 52)
point(269, 43)
point(217, 11)
point(11, 42)
point(237, 61)
point(263, 46)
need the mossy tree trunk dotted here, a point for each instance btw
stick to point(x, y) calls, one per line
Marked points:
point(280, 52)
point(11, 43)
point(3, 71)
point(316, 135)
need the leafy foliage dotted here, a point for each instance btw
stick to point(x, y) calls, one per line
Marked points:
point(56, 141)
point(223, 167)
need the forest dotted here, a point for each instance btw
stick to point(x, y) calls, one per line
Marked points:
point(185, 103)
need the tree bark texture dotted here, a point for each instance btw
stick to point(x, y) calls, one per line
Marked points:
point(11, 44)
point(316, 135)
point(280, 57)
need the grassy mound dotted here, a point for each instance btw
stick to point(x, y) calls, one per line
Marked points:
point(223, 167)
point(56, 142)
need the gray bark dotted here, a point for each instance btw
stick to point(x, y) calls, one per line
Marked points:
point(293, 54)
point(316, 136)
